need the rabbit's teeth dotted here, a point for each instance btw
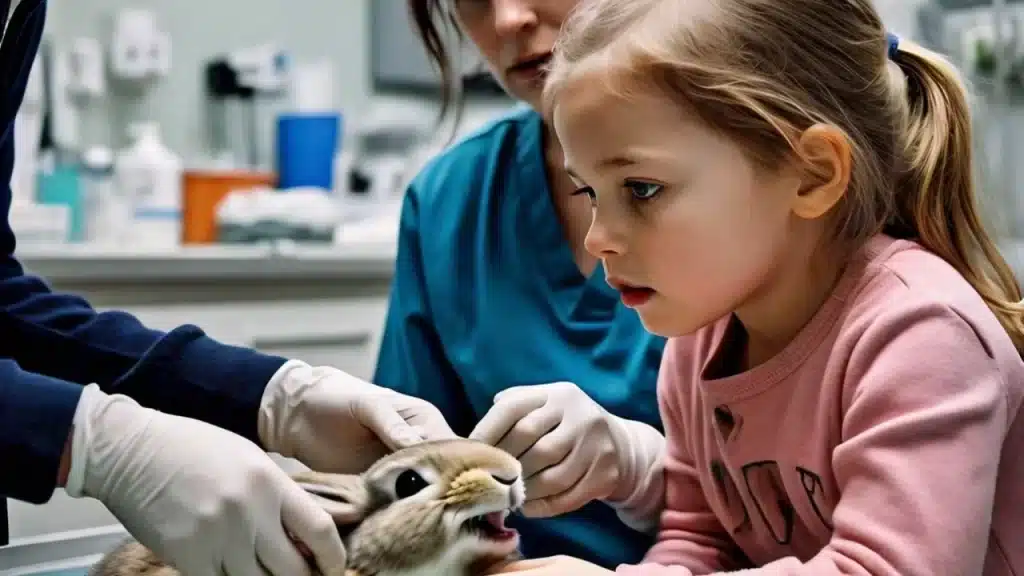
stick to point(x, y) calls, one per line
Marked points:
point(491, 526)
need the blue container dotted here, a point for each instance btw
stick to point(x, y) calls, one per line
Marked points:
point(62, 185)
point(306, 146)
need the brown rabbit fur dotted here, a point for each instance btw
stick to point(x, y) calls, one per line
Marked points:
point(436, 508)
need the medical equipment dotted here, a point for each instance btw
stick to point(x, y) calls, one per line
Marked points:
point(245, 76)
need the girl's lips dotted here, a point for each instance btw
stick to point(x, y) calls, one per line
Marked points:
point(631, 294)
point(635, 296)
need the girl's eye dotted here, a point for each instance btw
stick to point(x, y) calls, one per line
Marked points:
point(643, 190)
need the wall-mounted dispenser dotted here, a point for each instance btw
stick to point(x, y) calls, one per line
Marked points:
point(139, 49)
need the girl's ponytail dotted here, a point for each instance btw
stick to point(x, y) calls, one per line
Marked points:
point(935, 199)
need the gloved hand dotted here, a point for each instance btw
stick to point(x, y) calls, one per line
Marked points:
point(334, 422)
point(574, 451)
point(205, 500)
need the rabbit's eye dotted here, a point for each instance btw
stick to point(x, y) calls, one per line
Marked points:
point(409, 483)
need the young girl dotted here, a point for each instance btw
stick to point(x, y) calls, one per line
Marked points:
point(785, 191)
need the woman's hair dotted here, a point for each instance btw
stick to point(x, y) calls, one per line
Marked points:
point(763, 71)
point(436, 26)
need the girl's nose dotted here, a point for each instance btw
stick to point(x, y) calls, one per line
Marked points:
point(603, 238)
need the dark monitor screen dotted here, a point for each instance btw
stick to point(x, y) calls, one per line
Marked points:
point(399, 62)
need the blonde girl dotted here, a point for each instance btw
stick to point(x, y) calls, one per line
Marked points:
point(785, 191)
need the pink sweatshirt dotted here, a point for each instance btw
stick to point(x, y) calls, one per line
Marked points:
point(871, 445)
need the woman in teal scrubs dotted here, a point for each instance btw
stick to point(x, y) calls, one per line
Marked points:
point(493, 287)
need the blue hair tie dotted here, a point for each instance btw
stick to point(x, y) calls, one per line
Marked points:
point(894, 44)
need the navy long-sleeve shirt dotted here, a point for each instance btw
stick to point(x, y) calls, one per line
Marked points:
point(51, 344)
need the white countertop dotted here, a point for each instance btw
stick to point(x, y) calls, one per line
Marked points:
point(90, 263)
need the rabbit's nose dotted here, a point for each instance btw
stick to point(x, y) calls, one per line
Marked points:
point(505, 481)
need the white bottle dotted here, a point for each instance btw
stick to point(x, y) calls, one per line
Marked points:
point(109, 212)
point(150, 175)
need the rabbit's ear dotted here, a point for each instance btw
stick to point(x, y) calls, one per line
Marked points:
point(344, 496)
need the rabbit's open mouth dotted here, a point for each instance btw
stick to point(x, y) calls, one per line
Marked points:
point(490, 526)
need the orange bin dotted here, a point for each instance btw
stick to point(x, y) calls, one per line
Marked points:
point(203, 191)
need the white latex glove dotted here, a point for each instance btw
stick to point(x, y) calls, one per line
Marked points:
point(205, 500)
point(574, 451)
point(334, 422)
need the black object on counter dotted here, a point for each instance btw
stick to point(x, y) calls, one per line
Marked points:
point(5, 531)
point(221, 85)
point(359, 182)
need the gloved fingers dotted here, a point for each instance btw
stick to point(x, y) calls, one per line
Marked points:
point(514, 393)
point(280, 554)
point(240, 554)
point(377, 413)
point(530, 429)
point(555, 479)
point(513, 406)
point(240, 563)
point(583, 476)
point(427, 421)
point(549, 451)
point(315, 529)
point(554, 492)
point(185, 567)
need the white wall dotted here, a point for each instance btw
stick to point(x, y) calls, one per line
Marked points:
point(900, 15)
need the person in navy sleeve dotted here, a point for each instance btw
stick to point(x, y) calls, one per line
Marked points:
point(171, 430)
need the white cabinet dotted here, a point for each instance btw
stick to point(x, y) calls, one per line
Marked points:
point(61, 514)
point(343, 333)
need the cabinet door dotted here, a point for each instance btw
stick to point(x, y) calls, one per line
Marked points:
point(350, 351)
point(61, 514)
point(342, 333)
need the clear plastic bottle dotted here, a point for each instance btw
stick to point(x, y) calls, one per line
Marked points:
point(150, 174)
point(108, 212)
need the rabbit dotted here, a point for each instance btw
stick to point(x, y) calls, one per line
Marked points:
point(437, 508)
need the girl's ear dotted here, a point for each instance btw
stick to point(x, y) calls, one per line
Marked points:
point(826, 155)
point(344, 496)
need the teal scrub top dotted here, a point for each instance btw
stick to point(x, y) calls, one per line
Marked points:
point(487, 295)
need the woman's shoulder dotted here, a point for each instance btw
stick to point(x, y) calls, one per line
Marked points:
point(483, 157)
